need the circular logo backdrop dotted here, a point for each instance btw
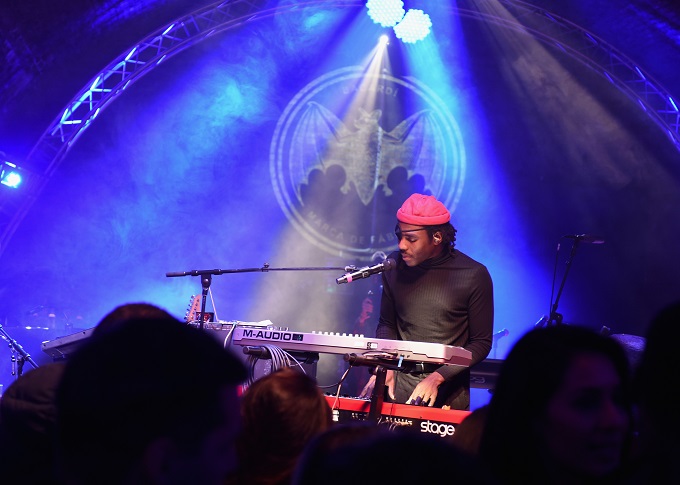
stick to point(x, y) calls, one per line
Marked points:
point(351, 146)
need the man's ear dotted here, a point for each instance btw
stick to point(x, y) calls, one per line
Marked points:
point(437, 236)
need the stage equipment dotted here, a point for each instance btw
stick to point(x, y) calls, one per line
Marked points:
point(386, 13)
point(378, 354)
point(10, 175)
point(555, 318)
point(367, 271)
point(429, 420)
point(207, 274)
point(415, 26)
point(16, 348)
point(60, 348)
point(399, 351)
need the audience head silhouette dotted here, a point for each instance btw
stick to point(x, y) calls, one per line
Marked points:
point(27, 426)
point(312, 465)
point(395, 456)
point(560, 412)
point(468, 433)
point(657, 399)
point(151, 401)
point(126, 312)
point(281, 413)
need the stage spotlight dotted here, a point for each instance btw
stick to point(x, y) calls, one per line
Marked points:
point(384, 40)
point(10, 175)
point(415, 26)
point(386, 13)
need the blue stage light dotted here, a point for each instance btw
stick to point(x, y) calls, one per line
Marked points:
point(386, 13)
point(9, 175)
point(415, 26)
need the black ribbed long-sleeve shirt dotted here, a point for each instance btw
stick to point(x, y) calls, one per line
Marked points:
point(447, 299)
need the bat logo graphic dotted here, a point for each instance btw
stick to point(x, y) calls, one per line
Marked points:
point(350, 147)
point(366, 151)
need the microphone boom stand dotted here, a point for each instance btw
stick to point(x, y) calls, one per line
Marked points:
point(206, 277)
point(556, 318)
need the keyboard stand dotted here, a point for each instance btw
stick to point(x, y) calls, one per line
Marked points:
point(381, 364)
point(378, 394)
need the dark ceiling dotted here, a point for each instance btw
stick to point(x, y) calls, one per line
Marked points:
point(51, 49)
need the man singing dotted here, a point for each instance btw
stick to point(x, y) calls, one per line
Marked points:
point(434, 294)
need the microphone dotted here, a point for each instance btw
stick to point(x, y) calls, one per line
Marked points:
point(501, 333)
point(585, 238)
point(386, 265)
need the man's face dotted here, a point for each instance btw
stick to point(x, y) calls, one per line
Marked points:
point(415, 244)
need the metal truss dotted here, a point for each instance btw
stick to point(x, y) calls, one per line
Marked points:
point(187, 31)
point(588, 49)
point(112, 81)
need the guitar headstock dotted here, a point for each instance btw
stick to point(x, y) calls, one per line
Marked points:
point(194, 311)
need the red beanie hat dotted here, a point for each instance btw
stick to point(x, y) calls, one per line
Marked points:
point(423, 210)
